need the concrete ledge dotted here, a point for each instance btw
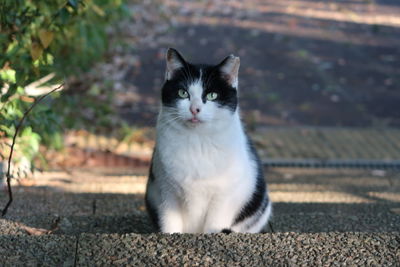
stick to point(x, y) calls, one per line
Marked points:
point(355, 248)
point(50, 250)
point(240, 249)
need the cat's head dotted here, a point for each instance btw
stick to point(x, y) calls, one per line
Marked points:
point(199, 95)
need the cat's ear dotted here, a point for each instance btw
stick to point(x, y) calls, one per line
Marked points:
point(230, 69)
point(174, 62)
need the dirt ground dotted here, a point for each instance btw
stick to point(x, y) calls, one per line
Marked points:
point(303, 62)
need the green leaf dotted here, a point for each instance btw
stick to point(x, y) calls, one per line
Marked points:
point(46, 37)
point(36, 51)
point(8, 75)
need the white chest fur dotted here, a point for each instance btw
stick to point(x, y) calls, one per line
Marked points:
point(203, 154)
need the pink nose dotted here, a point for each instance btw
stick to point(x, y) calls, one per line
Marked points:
point(194, 110)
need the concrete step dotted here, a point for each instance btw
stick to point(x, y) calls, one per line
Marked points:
point(311, 249)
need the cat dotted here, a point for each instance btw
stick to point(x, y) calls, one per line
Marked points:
point(205, 175)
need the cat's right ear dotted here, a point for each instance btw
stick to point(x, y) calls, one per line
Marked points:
point(174, 62)
point(230, 69)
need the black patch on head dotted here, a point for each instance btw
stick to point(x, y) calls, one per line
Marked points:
point(259, 199)
point(181, 79)
point(212, 81)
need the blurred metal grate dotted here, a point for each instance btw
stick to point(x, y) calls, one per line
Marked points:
point(321, 147)
point(313, 163)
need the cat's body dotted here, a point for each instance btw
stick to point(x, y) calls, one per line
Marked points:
point(205, 175)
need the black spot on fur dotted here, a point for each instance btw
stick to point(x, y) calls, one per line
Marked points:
point(152, 211)
point(151, 175)
point(152, 214)
point(260, 212)
point(259, 194)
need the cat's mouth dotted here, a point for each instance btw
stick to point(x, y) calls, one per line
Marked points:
point(194, 120)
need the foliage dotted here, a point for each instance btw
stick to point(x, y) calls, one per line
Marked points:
point(45, 37)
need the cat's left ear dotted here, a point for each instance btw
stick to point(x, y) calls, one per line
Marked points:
point(230, 69)
point(174, 62)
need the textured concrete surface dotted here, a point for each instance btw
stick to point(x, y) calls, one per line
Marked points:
point(37, 250)
point(320, 217)
point(240, 249)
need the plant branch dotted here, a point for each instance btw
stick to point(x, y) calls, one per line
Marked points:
point(8, 175)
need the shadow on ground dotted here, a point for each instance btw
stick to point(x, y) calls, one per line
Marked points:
point(304, 202)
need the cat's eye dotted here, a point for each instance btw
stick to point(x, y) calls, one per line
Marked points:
point(183, 93)
point(211, 96)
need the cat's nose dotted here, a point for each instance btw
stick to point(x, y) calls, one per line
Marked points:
point(194, 110)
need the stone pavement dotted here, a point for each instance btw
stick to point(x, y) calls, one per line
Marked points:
point(346, 217)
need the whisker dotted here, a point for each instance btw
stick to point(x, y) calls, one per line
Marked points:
point(169, 120)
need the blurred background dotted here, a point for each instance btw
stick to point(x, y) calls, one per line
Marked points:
point(306, 66)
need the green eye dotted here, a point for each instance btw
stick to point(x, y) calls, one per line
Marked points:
point(212, 96)
point(183, 93)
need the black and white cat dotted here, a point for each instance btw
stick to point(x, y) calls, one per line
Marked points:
point(205, 175)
